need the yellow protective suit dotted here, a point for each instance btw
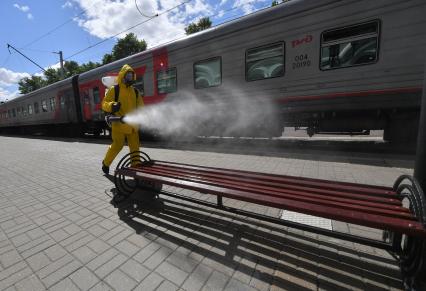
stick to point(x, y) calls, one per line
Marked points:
point(120, 131)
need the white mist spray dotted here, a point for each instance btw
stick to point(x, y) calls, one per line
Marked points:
point(222, 115)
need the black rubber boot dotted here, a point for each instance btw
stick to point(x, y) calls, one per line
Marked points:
point(105, 168)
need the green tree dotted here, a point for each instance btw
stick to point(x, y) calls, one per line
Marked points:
point(71, 68)
point(107, 59)
point(275, 2)
point(29, 84)
point(127, 46)
point(88, 66)
point(202, 24)
point(52, 76)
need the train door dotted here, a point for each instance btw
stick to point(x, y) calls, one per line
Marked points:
point(87, 110)
point(65, 105)
point(91, 95)
point(96, 98)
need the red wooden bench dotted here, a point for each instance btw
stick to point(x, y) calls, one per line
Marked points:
point(400, 211)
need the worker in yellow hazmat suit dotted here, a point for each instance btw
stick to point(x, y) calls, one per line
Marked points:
point(128, 100)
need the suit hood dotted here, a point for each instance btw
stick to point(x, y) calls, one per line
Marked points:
point(126, 68)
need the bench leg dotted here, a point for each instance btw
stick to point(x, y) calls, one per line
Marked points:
point(219, 201)
point(125, 185)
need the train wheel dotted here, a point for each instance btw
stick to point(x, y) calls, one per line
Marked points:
point(310, 131)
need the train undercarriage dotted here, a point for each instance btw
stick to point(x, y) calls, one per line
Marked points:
point(398, 126)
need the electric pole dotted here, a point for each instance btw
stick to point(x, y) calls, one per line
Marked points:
point(61, 60)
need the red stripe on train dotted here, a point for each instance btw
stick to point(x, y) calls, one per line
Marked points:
point(351, 94)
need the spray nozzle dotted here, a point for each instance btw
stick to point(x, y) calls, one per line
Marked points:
point(109, 119)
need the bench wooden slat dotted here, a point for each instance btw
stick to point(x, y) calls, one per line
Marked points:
point(365, 219)
point(360, 199)
point(350, 204)
point(339, 186)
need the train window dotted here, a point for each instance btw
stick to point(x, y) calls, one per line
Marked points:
point(35, 107)
point(13, 112)
point(208, 73)
point(44, 105)
point(265, 62)
point(350, 46)
point(166, 81)
point(139, 84)
point(24, 111)
point(96, 98)
point(52, 103)
point(18, 111)
point(62, 101)
point(30, 109)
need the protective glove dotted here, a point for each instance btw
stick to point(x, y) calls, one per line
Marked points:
point(115, 107)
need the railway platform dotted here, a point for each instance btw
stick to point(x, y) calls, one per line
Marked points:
point(60, 230)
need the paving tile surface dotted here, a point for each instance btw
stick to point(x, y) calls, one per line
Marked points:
point(60, 231)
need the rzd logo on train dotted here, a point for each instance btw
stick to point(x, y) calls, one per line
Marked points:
point(297, 42)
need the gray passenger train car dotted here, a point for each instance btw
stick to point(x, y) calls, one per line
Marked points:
point(327, 65)
point(52, 108)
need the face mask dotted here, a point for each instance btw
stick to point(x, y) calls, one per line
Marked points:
point(128, 78)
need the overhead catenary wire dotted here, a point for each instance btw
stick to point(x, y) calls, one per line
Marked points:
point(55, 28)
point(136, 25)
point(165, 12)
point(6, 60)
point(228, 19)
point(141, 13)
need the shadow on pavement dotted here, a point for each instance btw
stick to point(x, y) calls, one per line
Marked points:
point(256, 252)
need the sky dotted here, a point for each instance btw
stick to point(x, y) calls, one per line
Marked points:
point(39, 28)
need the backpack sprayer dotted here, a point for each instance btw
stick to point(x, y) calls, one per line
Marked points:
point(111, 81)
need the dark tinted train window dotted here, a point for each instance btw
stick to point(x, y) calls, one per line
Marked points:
point(139, 84)
point(166, 81)
point(13, 112)
point(350, 46)
point(265, 62)
point(208, 73)
point(52, 104)
point(35, 107)
point(30, 109)
point(24, 111)
point(44, 105)
point(18, 111)
point(96, 98)
point(62, 101)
